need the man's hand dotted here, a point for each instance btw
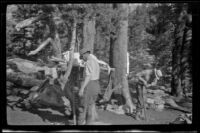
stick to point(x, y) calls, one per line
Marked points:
point(81, 92)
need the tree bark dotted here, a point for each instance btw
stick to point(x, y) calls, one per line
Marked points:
point(69, 68)
point(89, 32)
point(120, 55)
point(186, 59)
point(181, 69)
point(57, 46)
point(54, 33)
point(176, 57)
point(55, 39)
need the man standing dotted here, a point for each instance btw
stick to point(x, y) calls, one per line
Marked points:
point(90, 88)
point(144, 79)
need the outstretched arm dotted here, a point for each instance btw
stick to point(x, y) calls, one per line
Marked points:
point(107, 66)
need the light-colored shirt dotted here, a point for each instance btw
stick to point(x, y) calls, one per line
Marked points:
point(92, 67)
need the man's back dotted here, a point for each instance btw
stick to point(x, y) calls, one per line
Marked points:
point(148, 75)
point(92, 67)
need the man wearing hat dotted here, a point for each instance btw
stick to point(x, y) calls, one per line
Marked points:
point(90, 87)
point(144, 79)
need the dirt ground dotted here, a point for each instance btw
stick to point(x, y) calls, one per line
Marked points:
point(18, 116)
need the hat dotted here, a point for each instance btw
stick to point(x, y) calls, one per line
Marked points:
point(158, 73)
point(84, 50)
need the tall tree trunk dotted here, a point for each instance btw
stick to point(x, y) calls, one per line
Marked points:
point(181, 68)
point(120, 55)
point(186, 59)
point(53, 21)
point(89, 32)
point(57, 46)
point(112, 41)
point(72, 47)
point(57, 18)
point(176, 58)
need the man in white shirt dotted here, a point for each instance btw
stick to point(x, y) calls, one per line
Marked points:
point(90, 87)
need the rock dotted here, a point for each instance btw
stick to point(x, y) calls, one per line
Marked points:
point(18, 104)
point(34, 88)
point(155, 103)
point(8, 92)
point(14, 91)
point(151, 106)
point(24, 91)
point(162, 87)
point(171, 102)
point(9, 70)
point(188, 94)
point(11, 103)
point(27, 105)
point(159, 107)
point(13, 98)
point(118, 110)
point(159, 101)
point(101, 107)
point(169, 89)
point(134, 100)
point(150, 101)
point(156, 92)
point(9, 84)
point(113, 101)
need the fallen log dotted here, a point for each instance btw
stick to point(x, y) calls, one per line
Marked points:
point(50, 95)
point(182, 109)
point(172, 105)
point(22, 79)
point(45, 43)
point(24, 65)
point(29, 21)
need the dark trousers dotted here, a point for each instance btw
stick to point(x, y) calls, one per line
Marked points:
point(140, 90)
point(88, 100)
